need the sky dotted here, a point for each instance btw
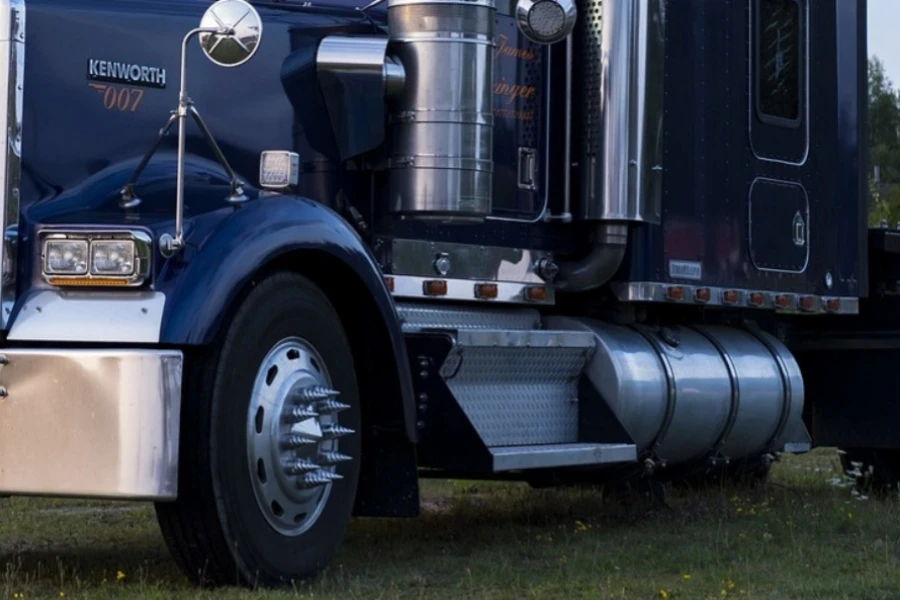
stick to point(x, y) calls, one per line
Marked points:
point(884, 41)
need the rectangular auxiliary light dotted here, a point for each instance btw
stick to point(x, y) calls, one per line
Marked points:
point(278, 170)
point(95, 258)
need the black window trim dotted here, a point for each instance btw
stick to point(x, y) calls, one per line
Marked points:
point(802, 72)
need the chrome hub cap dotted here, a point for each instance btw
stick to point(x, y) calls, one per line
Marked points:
point(292, 436)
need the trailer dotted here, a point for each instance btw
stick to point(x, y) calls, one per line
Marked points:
point(269, 263)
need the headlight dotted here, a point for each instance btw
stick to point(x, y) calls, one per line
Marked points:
point(115, 258)
point(66, 257)
point(112, 257)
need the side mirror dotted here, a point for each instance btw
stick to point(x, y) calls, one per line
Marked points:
point(238, 36)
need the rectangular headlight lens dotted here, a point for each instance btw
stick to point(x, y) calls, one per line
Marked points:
point(66, 257)
point(112, 257)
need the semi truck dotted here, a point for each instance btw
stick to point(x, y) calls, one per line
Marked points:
point(269, 264)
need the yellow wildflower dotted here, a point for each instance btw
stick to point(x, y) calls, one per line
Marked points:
point(120, 575)
point(686, 576)
point(664, 594)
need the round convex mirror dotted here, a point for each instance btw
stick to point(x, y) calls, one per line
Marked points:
point(237, 47)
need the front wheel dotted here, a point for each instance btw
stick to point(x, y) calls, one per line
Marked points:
point(270, 444)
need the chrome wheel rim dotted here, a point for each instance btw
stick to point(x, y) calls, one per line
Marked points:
point(292, 436)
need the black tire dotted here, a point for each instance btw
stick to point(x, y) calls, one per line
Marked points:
point(216, 530)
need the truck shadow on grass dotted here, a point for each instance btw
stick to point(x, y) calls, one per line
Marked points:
point(505, 540)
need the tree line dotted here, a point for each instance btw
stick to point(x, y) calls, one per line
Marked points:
point(884, 147)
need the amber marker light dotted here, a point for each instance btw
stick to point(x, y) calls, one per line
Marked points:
point(730, 297)
point(435, 287)
point(807, 303)
point(88, 281)
point(756, 299)
point(486, 291)
point(703, 295)
point(782, 300)
point(536, 294)
point(675, 293)
point(389, 282)
point(833, 305)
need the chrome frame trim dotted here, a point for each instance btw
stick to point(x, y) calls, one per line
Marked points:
point(466, 261)
point(143, 251)
point(405, 286)
point(751, 62)
point(750, 225)
point(70, 315)
point(12, 56)
point(91, 423)
point(654, 291)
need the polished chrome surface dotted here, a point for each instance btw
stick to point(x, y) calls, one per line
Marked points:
point(652, 291)
point(241, 36)
point(417, 316)
point(12, 81)
point(408, 286)
point(441, 164)
point(517, 458)
point(356, 75)
point(467, 261)
point(595, 269)
point(519, 338)
point(685, 393)
point(89, 316)
point(92, 423)
point(622, 45)
point(293, 436)
point(143, 251)
point(546, 21)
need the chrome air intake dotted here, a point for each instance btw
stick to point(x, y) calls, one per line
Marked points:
point(441, 164)
point(622, 47)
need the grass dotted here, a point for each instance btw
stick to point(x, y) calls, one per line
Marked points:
point(802, 536)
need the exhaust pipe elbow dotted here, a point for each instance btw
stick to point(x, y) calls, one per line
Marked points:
point(599, 265)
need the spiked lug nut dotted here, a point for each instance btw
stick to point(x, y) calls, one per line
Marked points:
point(300, 466)
point(330, 432)
point(331, 406)
point(293, 441)
point(317, 478)
point(333, 458)
point(315, 392)
point(300, 413)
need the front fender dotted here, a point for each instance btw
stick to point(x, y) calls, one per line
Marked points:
point(203, 283)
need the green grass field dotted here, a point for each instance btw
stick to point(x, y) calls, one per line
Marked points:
point(801, 536)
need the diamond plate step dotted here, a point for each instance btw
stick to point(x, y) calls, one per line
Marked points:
point(519, 386)
point(516, 458)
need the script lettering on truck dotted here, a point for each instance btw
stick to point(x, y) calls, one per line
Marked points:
point(119, 72)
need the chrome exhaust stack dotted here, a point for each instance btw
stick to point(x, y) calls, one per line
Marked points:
point(441, 165)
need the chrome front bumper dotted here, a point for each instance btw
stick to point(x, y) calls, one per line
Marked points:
point(90, 423)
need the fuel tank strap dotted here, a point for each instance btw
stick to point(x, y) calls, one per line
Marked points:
point(671, 388)
point(735, 388)
point(785, 385)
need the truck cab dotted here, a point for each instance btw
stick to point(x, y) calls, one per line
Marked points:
point(269, 264)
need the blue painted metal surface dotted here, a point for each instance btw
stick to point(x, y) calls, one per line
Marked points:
point(83, 138)
point(711, 166)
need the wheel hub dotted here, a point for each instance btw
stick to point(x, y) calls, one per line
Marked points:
point(292, 436)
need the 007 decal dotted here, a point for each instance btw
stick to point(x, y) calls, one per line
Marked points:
point(119, 98)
